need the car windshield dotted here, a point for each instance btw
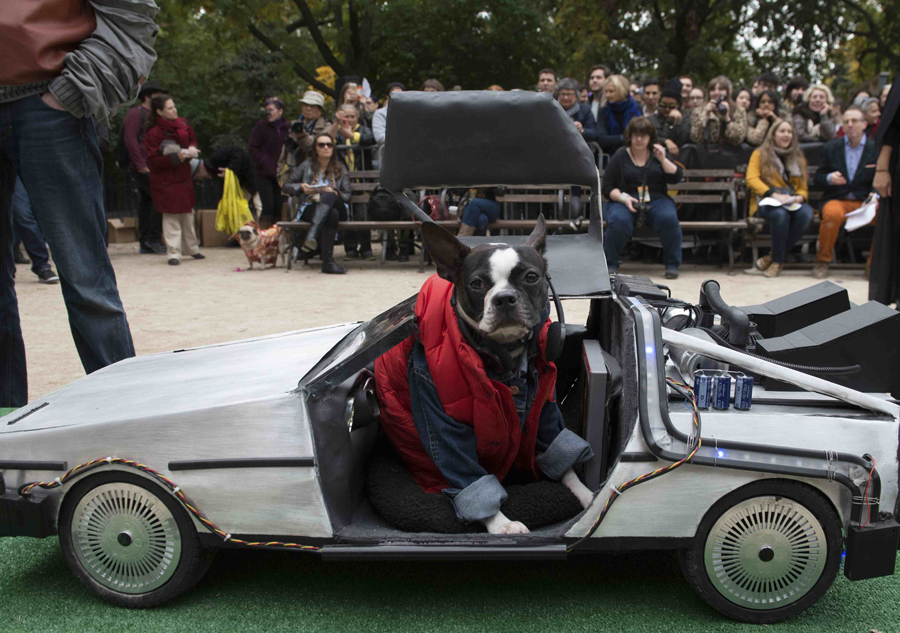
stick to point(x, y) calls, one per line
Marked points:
point(361, 347)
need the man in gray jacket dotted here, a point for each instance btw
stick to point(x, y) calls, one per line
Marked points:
point(66, 63)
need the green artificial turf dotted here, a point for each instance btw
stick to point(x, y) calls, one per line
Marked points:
point(289, 591)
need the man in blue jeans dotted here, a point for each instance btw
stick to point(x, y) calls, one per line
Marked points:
point(26, 228)
point(66, 62)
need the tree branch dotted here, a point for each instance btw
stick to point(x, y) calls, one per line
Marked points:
point(300, 70)
point(316, 34)
point(299, 24)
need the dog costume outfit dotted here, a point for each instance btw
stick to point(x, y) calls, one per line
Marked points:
point(465, 431)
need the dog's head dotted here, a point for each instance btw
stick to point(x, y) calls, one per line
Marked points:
point(248, 235)
point(500, 290)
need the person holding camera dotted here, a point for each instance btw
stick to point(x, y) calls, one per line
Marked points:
point(721, 120)
point(776, 176)
point(636, 183)
point(312, 122)
point(322, 186)
point(673, 129)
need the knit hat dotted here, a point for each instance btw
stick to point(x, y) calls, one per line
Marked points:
point(672, 89)
point(311, 97)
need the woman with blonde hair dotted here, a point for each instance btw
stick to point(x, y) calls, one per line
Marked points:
point(613, 118)
point(776, 176)
point(812, 119)
point(721, 119)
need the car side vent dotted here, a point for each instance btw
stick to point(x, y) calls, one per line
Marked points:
point(26, 414)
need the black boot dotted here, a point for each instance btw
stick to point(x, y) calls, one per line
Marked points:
point(327, 243)
point(310, 243)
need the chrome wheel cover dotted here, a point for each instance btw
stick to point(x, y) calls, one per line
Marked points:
point(125, 538)
point(765, 553)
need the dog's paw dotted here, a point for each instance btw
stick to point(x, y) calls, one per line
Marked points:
point(500, 524)
point(582, 493)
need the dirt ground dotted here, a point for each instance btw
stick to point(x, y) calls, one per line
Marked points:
point(218, 299)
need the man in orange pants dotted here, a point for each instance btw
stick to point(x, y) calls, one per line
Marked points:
point(846, 174)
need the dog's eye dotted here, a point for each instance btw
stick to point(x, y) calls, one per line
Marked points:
point(532, 278)
point(476, 284)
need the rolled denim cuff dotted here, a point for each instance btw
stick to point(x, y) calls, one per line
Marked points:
point(479, 500)
point(564, 452)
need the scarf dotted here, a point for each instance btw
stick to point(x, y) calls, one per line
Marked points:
point(177, 129)
point(574, 110)
point(619, 113)
point(791, 169)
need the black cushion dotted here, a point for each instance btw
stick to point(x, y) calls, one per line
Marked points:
point(402, 503)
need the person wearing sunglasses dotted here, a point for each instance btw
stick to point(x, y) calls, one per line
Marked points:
point(673, 129)
point(322, 186)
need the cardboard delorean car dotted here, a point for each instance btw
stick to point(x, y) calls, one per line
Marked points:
point(220, 446)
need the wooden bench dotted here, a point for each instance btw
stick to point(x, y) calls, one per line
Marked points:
point(413, 225)
point(707, 186)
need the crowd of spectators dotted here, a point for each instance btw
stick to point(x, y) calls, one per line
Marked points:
point(639, 129)
point(768, 124)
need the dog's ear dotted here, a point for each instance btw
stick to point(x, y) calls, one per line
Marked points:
point(447, 252)
point(538, 238)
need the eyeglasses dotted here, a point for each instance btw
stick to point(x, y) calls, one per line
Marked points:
point(325, 144)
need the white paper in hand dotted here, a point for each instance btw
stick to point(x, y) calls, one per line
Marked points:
point(863, 215)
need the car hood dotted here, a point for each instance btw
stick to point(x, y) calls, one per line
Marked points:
point(183, 381)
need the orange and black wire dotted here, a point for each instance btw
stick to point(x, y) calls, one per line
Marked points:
point(170, 485)
point(659, 472)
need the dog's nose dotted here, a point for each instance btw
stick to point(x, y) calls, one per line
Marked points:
point(504, 299)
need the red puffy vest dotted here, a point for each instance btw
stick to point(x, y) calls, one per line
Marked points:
point(466, 392)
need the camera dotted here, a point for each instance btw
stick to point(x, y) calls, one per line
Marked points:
point(642, 209)
point(722, 106)
point(297, 127)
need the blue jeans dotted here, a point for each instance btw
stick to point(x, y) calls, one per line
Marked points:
point(57, 157)
point(479, 213)
point(620, 225)
point(786, 226)
point(26, 228)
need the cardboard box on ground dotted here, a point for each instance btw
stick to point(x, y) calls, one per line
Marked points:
point(122, 231)
point(205, 220)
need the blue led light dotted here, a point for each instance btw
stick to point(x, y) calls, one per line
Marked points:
point(650, 349)
point(720, 453)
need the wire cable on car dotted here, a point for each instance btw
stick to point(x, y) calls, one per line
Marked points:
point(617, 491)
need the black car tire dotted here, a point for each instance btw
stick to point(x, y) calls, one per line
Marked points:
point(179, 576)
point(822, 522)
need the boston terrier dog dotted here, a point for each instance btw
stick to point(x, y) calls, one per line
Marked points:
point(499, 291)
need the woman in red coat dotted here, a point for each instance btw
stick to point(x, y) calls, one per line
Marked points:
point(171, 145)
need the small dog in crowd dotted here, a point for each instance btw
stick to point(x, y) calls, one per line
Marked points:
point(496, 305)
point(265, 247)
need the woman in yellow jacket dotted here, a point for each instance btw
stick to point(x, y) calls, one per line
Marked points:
point(777, 177)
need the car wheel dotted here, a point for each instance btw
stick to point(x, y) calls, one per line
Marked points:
point(765, 552)
point(129, 541)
